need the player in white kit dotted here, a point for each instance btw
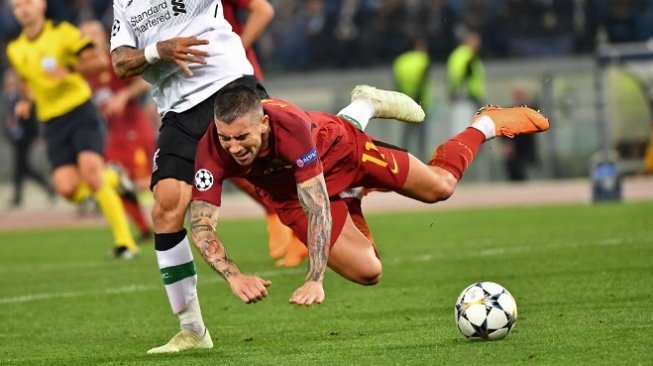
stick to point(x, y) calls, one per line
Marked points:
point(187, 51)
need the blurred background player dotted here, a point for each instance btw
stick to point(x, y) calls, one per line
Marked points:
point(50, 60)
point(130, 133)
point(22, 133)
point(410, 72)
point(466, 80)
point(257, 14)
point(521, 151)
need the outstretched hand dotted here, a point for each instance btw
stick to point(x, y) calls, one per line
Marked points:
point(309, 293)
point(182, 50)
point(249, 289)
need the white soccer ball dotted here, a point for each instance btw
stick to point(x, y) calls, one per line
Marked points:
point(485, 311)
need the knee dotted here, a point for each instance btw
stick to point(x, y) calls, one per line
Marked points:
point(371, 279)
point(169, 207)
point(167, 210)
point(371, 275)
point(67, 191)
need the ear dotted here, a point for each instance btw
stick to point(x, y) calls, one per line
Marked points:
point(265, 123)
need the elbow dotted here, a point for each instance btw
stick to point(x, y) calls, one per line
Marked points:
point(267, 11)
point(270, 12)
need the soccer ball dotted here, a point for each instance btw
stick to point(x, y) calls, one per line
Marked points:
point(485, 311)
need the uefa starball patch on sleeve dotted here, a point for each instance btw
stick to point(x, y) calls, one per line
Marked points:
point(203, 180)
point(308, 158)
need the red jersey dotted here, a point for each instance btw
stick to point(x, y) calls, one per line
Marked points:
point(298, 145)
point(105, 85)
point(230, 10)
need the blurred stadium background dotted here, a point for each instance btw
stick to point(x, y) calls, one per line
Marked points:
point(314, 51)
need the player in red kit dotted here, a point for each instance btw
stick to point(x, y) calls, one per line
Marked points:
point(303, 162)
point(130, 133)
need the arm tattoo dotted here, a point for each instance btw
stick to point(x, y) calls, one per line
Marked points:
point(204, 218)
point(314, 199)
point(128, 61)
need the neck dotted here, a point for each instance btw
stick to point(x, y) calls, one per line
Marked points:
point(33, 30)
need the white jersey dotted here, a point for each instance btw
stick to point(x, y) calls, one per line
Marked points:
point(139, 23)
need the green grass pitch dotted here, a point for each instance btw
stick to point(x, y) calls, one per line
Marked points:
point(582, 277)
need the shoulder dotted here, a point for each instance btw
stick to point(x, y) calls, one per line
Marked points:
point(208, 146)
point(63, 28)
point(15, 46)
point(15, 43)
point(63, 25)
point(280, 107)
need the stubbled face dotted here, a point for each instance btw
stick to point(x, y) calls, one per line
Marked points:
point(245, 137)
point(28, 12)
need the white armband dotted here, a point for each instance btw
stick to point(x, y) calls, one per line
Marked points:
point(152, 54)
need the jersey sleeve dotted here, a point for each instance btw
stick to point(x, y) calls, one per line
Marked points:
point(73, 38)
point(121, 33)
point(209, 171)
point(73, 42)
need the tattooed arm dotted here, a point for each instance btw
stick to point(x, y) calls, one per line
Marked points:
point(314, 199)
point(128, 61)
point(204, 218)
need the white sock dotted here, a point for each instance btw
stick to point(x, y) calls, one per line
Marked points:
point(178, 274)
point(486, 126)
point(191, 317)
point(358, 112)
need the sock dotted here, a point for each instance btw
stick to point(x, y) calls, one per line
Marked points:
point(82, 193)
point(279, 236)
point(111, 178)
point(485, 125)
point(136, 214)
point(191, 317)
point(111, 207)
point(175, 260)
point(358, 113)
point(457, 153)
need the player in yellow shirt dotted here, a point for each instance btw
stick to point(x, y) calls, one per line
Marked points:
point(51, 60)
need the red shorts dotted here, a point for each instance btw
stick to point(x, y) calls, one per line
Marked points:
point(353, 159)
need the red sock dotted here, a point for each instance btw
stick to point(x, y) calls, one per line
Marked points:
point(455, 154)
point(134, 212)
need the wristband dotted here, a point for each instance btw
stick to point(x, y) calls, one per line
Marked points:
point(151, 54)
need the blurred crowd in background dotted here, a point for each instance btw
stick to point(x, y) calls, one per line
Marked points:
point(323, 34)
